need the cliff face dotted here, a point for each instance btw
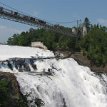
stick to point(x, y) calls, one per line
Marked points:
point(10, 95)
point(84, 61)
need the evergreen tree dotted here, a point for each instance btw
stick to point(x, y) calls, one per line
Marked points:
point(87, 24)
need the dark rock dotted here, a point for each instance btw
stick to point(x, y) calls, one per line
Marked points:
point(39, 102)
point(9, 65)
point(10, 95)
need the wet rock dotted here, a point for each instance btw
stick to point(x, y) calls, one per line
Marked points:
point(10, 95)
point(39, 102)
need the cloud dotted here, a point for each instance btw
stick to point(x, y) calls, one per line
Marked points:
point(102, 21)
point(6, 32)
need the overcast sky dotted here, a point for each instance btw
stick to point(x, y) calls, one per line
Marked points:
point(54, 11)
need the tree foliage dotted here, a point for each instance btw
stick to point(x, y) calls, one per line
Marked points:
point(54, 41)
point(87, 24)
point(94, 45)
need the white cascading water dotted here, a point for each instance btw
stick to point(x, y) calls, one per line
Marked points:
point(57, 83)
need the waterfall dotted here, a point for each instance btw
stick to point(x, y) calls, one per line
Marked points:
point(57, 83)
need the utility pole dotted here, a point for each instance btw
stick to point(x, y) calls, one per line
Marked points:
point(78, 23)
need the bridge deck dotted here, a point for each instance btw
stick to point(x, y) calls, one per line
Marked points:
point(32, 21)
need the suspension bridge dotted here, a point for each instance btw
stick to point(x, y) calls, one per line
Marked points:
point(17, 16)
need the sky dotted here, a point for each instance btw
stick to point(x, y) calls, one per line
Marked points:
point(54, 11)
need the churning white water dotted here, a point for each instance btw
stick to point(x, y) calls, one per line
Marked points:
point(55, 83)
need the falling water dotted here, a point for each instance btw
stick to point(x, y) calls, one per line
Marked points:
point(59, 83)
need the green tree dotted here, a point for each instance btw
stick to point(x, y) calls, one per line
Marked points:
point(95, 45)
point(87, 24)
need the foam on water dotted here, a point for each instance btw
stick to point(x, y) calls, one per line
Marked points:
point(59, 83)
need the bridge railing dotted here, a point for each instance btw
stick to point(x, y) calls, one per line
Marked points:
point(22, 18)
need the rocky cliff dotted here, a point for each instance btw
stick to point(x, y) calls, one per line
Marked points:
point(10, 95)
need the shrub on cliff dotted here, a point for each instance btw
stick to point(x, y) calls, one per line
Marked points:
point(10, 95)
